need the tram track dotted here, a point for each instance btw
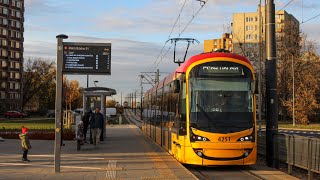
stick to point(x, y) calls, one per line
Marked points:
point(213, 172)
point(223, 172)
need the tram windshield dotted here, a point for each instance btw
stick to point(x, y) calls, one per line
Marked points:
point(221, 98)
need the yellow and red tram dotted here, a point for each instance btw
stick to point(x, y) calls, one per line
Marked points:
point(204, 112)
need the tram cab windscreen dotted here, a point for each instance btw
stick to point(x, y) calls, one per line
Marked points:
point(221, 97)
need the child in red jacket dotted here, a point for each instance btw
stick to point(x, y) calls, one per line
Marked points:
point(25, 143)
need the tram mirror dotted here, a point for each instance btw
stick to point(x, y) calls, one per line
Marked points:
point(176, 85)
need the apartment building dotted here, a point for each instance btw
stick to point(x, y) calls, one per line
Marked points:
point(246, 27)
point(225, 43)
point(11, 53)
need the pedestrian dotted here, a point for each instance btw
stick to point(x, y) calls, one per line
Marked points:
point(85, 120)
point(96, 124)
point(25, 143)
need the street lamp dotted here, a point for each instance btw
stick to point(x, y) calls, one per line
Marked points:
point(95, 83)
point(293, 113)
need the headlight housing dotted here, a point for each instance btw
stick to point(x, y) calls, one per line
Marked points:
point(247, 138)
point(194, 137)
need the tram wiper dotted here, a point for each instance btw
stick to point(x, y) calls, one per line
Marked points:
point(209, 119)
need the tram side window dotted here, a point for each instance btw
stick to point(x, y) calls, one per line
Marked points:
point(182, 110)
point(165, 114)
point(174, 108)
point(145, 108)
point(158, 107)
point(150, 108)
point(153, 107)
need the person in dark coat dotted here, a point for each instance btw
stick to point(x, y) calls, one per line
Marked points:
point(86, 119)
point(96, 124)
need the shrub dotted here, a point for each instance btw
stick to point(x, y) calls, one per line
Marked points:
point(38, 134)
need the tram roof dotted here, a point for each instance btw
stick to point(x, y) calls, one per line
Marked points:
point(183, 68)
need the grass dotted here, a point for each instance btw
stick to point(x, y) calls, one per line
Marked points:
point(287, 124)
point(11, 124)
point(300, 126)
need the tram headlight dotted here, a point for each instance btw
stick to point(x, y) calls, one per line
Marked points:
point(194, 137)
point(198, 138)
point(247, 138)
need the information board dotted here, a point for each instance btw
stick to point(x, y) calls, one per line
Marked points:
point(87, 58)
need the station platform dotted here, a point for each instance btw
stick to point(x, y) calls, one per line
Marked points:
point(126, 153)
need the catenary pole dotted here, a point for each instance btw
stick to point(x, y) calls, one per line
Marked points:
point(271, 88)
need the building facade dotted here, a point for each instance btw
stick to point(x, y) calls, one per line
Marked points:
point(225, 43)
point(249, 26)
point(11, 53)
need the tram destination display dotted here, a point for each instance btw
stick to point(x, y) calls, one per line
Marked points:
point(221, 70)
point(87, 58)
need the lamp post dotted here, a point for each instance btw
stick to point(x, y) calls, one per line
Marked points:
point(293, 113)
point(96, 98)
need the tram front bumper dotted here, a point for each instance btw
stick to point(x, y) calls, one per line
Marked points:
point(221, 154)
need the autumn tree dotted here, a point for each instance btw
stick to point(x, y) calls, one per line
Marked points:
point(111, 103)
point(300, 70)
point(72, 94)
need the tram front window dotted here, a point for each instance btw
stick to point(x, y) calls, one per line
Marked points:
point(221, 104)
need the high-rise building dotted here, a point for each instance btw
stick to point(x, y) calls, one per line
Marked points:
point(246, 26)
point(11, 53)
point(225, 43)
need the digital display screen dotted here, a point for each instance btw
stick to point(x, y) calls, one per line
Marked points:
point(87, 58)
point(220, 70)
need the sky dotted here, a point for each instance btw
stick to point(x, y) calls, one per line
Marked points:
point(139, 29)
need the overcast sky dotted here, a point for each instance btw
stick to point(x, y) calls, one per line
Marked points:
point(138, 30)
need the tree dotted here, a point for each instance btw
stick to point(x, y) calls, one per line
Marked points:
point(111, 103)
point(306, 65)
point(72, 94)
point(38, 77)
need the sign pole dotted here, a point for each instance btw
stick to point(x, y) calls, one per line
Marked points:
point(58, 105)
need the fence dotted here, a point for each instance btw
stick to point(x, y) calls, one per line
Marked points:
point(299, 151)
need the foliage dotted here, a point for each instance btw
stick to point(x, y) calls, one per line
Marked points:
point(39, 134)
point(38, 80)
point(72, 94)
point(111, 103)
point(306, 65)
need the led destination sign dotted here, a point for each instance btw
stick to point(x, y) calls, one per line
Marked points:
point(87, 58)
point(220, 70)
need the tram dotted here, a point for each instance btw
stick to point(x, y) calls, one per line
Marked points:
point(204, 112)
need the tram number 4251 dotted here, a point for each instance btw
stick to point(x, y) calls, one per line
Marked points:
point(224, 139)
